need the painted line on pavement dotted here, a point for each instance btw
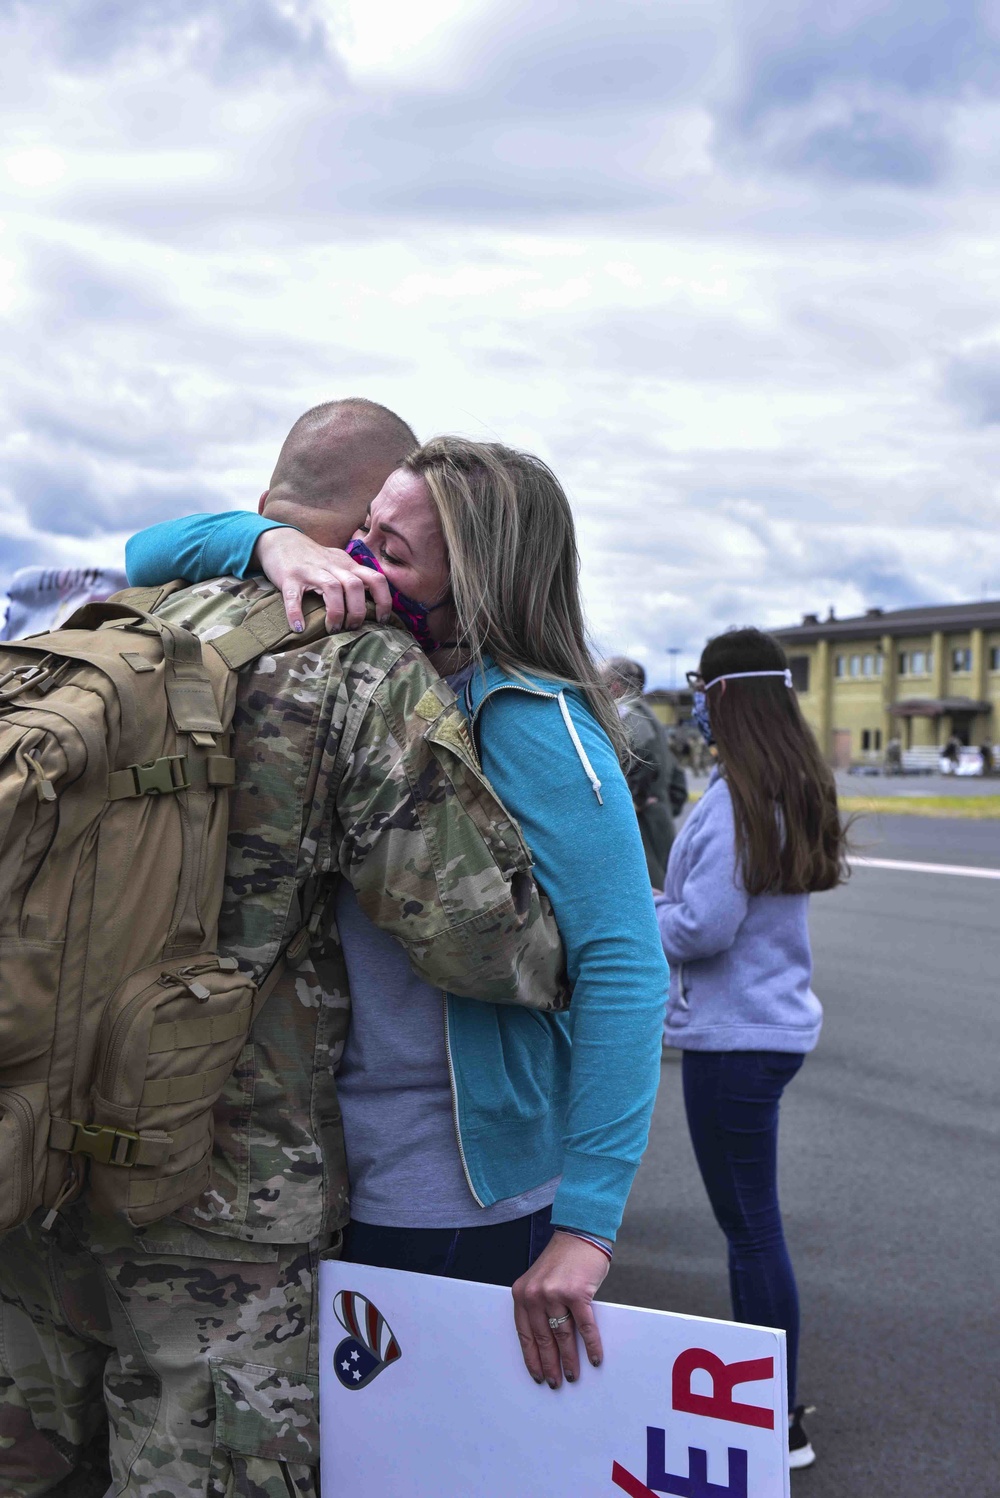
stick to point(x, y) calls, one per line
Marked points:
point(969, 871)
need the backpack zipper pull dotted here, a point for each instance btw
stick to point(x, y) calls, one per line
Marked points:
point(43, 784)
point(68, 1186)
point(198, 990)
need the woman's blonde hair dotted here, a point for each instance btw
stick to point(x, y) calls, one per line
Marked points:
point(515, 567)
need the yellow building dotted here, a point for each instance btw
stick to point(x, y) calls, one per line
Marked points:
point(672, 705)
point(920, 675)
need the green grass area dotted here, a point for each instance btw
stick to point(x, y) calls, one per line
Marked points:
point(973, 808)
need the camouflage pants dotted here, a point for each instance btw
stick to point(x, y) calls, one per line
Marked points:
point(144, 1360)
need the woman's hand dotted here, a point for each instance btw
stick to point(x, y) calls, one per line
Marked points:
point(565, 1277)
point(297, 565)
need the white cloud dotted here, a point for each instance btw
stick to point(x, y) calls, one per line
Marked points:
point(383, 39)
point(734, 285)
point(35, 167)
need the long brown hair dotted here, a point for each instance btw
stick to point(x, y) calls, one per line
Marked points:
point(515, 567)
point(789, 836)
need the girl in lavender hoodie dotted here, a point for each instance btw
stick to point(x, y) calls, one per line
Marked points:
point(733, 918)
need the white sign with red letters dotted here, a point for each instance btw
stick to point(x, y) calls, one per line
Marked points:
point(423, 1393)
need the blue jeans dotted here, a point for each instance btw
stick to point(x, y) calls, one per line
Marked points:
point(732, 1100)
point(493, 1255)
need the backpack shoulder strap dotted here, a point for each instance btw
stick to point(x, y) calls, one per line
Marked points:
point(145, 600)
point(266, 629)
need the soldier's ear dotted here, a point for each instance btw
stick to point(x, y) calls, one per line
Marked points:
point(262, 502)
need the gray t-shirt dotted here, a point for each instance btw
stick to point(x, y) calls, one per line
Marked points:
point(403, 1159)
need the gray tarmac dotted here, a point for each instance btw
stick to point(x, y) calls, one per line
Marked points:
point(890, 1186)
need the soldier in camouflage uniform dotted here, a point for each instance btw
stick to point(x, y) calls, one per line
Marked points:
point(353, 761)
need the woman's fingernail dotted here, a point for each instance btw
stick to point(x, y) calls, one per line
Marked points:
point(596, 1362)
point(551, 1383)
point(570, 1378)
point(538, 1380)
point(297, 626)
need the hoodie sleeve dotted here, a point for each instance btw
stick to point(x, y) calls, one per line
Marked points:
point(702, 917)
point(195, 547)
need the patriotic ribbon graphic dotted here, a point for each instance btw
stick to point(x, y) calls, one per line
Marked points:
point(369, 1346)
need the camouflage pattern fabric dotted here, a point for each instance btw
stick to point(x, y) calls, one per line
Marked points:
point(353, 760)
point(209, 1366)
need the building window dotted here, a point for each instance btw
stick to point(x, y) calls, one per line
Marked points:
point(917, 663)
point(800, 672)
point(961, 659)
point(904, 663)
point(839, 666)
point(930, 662)
point(866, 739)
point(995, 657)
point(878, 665)
point(878, 738)
point(855, 665)
point(871, 738)
point(868, 666)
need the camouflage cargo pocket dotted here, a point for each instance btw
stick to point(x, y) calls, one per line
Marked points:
point(269, 1413)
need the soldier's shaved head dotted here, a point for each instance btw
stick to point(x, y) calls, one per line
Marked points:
point(333, 462)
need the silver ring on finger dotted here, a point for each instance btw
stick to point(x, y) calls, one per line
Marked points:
point(555, 1321)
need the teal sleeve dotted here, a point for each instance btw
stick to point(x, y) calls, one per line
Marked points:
point(590, 862)
point(195, 547)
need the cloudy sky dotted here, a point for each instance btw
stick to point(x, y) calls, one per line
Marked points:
point(730, 267)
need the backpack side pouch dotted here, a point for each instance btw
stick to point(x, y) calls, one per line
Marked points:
point(170, 1037)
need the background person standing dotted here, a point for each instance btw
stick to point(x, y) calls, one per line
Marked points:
point(734, 923)
point(656, 780)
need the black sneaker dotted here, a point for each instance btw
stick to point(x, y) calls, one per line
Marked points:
point(800, 1452)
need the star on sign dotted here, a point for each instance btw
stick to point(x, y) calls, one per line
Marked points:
point(354, 1355)
point(346, 1367)
point(357, 1375)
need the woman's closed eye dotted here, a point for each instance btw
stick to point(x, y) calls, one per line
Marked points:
point(380, 547)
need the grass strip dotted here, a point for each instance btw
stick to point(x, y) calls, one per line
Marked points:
point(970, 808)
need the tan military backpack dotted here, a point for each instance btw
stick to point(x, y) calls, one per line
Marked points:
point(119, 1022)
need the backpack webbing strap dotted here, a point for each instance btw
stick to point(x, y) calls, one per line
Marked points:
point(181, 1034)
point(264, 629)
point(109, 1145)
point(147, 599)
point(187, 1089)
point(177, 1189)
point(172, 773)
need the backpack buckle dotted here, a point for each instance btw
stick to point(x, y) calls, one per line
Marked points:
point(106, 1145)
point(162, 776)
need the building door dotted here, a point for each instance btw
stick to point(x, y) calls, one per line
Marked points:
point(842, 748)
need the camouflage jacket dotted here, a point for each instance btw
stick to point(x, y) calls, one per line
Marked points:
point(353, 761)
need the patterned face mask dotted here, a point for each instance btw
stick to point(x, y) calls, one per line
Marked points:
point(699, 712)
point(699, 707)
point(413, 614)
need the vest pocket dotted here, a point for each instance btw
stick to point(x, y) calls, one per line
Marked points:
point(170, 1038)
point(23, 1123)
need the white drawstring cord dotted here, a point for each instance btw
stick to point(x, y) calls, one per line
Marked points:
point(585, 762)
point(740, 675)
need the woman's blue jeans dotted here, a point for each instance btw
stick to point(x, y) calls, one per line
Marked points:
point(732, 1100)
